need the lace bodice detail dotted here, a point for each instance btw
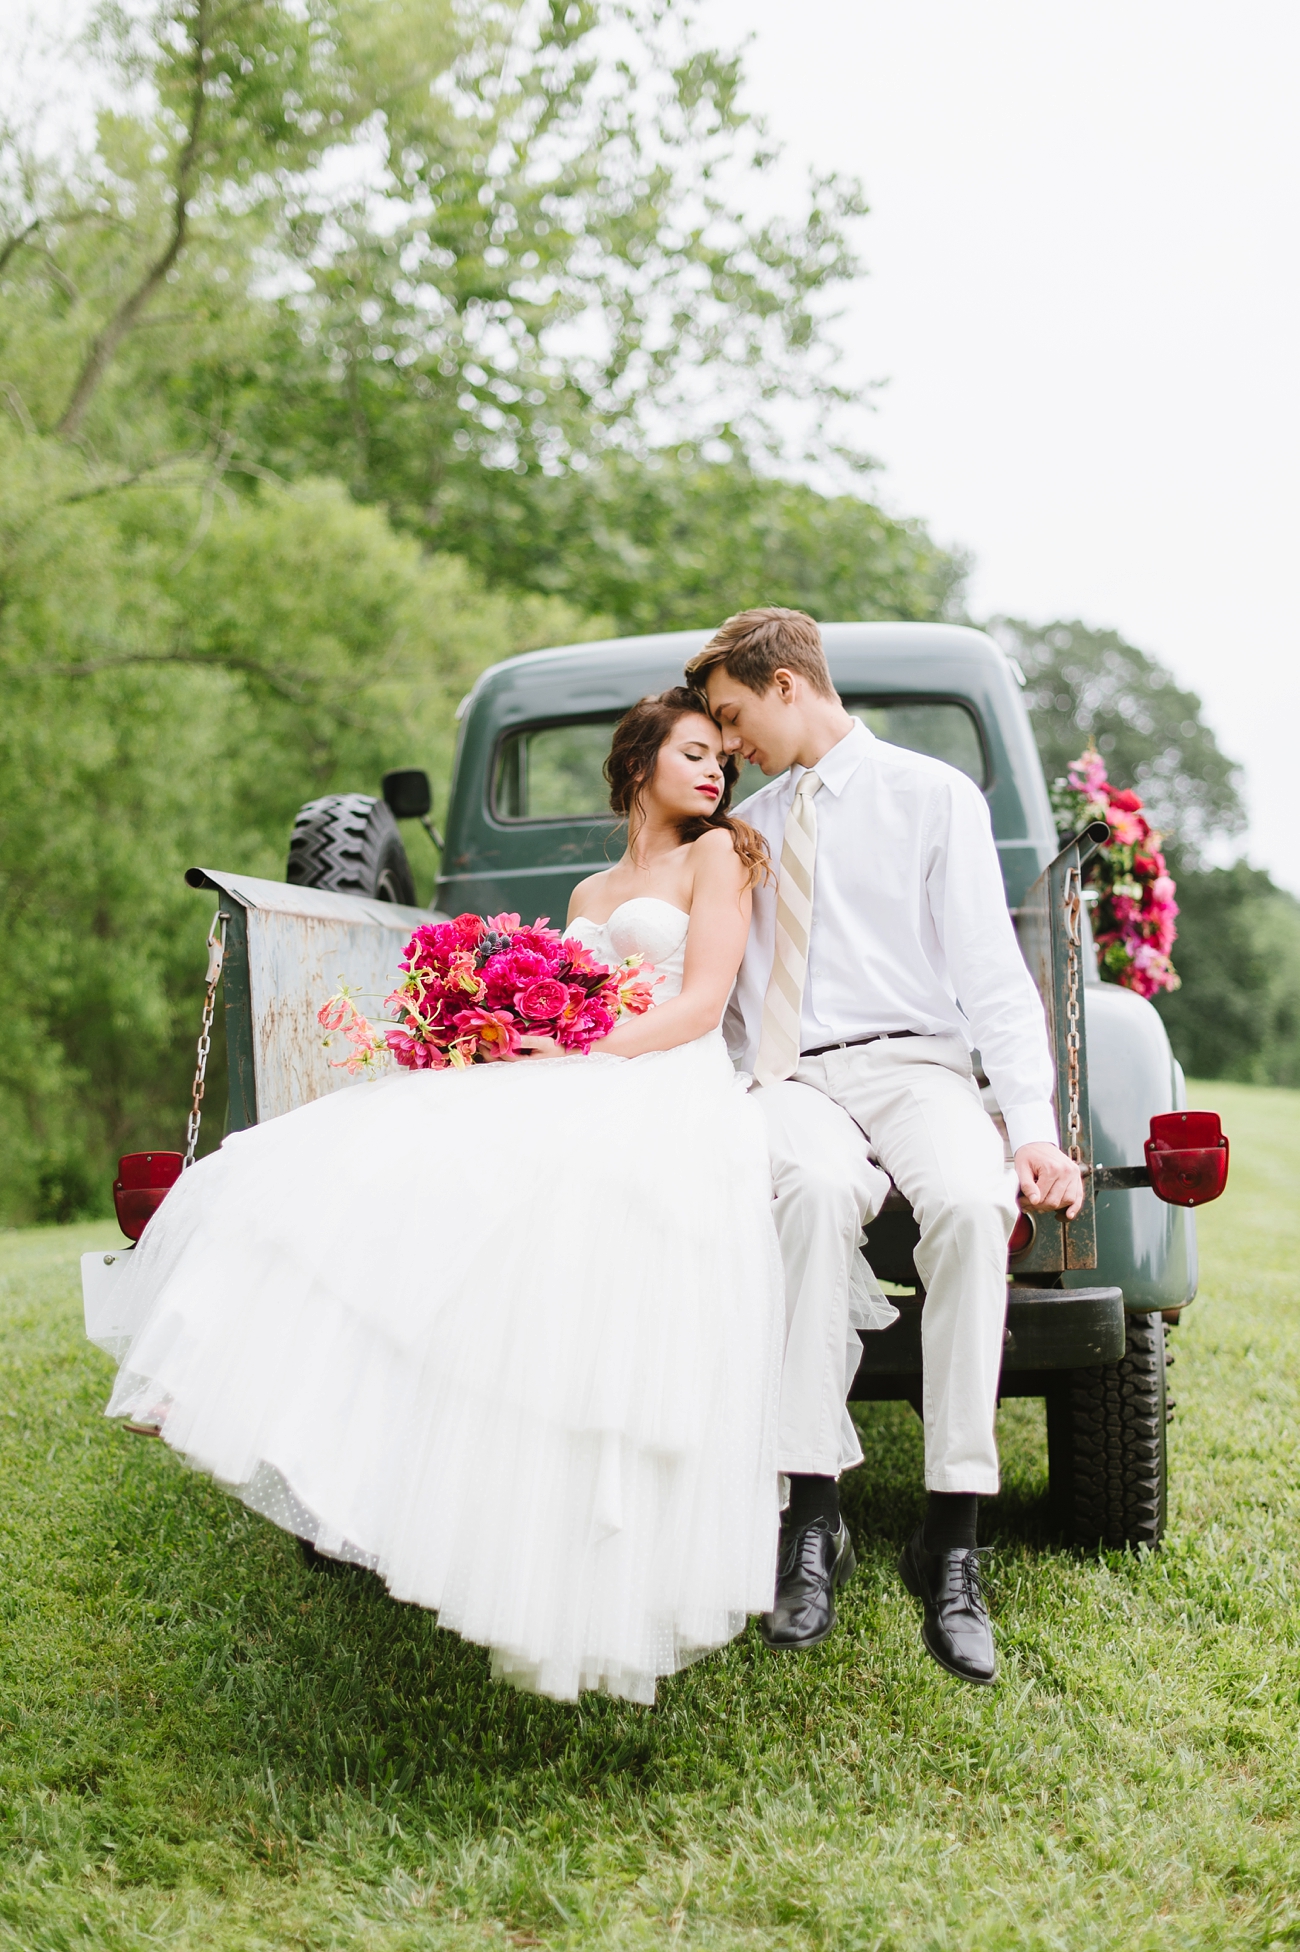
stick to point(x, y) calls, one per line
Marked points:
point(644, 926)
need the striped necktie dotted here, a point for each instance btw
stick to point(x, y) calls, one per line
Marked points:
point(780, 1036)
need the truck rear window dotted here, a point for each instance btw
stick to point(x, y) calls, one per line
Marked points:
point(554, 772)
point(937, 726)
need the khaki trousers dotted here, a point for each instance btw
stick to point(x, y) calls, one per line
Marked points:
point(911, 1106)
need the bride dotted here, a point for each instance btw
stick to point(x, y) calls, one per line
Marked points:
point(511, 1335)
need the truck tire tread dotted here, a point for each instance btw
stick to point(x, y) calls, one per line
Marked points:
point(1116, 1463)
point(348, 842)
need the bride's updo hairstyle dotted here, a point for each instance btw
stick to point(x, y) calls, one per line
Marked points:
point(639, 737)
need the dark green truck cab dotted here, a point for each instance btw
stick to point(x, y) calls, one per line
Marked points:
point(527, 814)
point(1088, 1303)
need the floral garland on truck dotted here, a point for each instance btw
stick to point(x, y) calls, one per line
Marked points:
point(1133, 919)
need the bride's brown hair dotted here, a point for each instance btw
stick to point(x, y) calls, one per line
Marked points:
point(639, 737)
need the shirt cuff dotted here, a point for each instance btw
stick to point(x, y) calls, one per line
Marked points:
point(1030, 1125)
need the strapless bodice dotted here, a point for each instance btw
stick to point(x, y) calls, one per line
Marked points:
point(645, 926)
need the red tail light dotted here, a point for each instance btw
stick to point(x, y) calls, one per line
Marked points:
point(143, 1181)
point(1187, 1157)
point(1022, 1234)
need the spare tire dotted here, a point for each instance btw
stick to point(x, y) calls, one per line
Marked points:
point(349, 842)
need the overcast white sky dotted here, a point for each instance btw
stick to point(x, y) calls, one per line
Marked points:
point(1084, 294)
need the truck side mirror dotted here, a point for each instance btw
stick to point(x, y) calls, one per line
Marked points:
point(408, 794)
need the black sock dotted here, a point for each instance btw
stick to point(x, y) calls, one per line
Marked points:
point(950, 1519)
point(810, 1499)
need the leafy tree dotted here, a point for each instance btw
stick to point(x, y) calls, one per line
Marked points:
point(552, 262)
point(529, 251)
point(679, 542)
point(249, 93)
point(1237, 1014)
point(1088, 684)
point(343, 282)
point(470, 260)
point(117, 267)
point(174, 681)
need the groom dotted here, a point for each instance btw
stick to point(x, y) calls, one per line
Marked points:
point(881, 956)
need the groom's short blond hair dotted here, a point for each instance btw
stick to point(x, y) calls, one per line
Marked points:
point(754, 645)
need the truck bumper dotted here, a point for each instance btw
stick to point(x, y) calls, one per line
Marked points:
point(1047, 1329)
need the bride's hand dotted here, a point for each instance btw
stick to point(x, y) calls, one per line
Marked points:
point(531, 1047)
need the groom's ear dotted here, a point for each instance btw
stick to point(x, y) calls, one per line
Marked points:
point(786, 683)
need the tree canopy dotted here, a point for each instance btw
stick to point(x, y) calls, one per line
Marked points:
point(163, 705)
point(1237, 1013)
point(1086, 684)
point(673, 541)
point(436, 250)
point(341, 365)
point(372, 341)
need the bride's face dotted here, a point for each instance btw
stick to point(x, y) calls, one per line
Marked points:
point(687, 779)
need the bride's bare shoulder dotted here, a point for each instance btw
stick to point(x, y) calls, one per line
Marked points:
point(714, 842)
point(586, 890)
point(714, 857)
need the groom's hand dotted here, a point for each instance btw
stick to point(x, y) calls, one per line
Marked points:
point(1048, 1180)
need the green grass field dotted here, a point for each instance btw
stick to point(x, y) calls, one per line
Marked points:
point(203, 1744)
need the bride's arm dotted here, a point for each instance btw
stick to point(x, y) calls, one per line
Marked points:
point(715, 943)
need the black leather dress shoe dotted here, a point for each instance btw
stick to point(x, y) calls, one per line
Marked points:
point(812, 1562)
point(956, 1628)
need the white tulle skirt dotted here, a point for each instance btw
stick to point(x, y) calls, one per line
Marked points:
point(509, 1336)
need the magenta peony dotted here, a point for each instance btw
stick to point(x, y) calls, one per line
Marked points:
point(542, 1001)
point(593, 1021)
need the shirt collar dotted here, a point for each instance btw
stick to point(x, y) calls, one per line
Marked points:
point(836, 768)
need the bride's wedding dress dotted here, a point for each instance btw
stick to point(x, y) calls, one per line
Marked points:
point(510, 1336)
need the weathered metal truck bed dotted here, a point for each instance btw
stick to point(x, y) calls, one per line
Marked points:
point(287, 950)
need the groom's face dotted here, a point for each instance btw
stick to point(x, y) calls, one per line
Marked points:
point(763, 728)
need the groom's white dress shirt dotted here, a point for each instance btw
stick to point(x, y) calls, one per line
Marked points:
point(910, 929)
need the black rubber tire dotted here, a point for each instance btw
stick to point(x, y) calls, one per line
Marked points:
point(349, 842)
point(1107, 1453)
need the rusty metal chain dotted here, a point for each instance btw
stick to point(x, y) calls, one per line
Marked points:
point(1072, 900)
point(216, 956)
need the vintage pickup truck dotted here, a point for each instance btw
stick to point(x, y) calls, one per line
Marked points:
point(1088, 1303)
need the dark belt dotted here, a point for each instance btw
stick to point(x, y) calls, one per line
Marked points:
point(851, 1043)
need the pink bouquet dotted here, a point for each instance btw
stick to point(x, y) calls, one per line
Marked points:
point(475, 987)
point(1133, 921)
